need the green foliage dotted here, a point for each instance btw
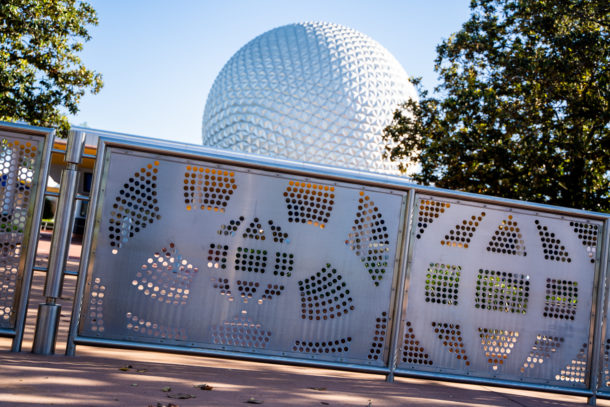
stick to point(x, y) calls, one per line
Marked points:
point(523, 110)
point(41, 76)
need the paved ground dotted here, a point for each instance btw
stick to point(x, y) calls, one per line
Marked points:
point(109, 377)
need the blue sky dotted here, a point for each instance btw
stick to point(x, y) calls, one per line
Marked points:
point(159, 58)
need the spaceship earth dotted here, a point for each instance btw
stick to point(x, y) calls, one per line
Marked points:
point(312, 91)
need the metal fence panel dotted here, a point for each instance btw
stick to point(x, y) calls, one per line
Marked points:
point(23, 161)
point(202, 255)
point(500, 293)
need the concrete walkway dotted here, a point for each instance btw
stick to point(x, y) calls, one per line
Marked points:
point(110, 377)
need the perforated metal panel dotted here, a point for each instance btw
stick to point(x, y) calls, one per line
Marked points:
point(20, 162)
point(200, 255)
point(499, 293)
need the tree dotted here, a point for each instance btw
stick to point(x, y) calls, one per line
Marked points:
point(523, 105)
point(41, 75)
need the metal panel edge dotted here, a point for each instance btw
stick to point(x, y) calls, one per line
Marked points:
point(399, 293)
point(597, 370)
point(26, 263)
point(227, 354)
point(86, 247)
point(336, 173)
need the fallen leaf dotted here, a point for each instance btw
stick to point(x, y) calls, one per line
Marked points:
point(252, 400)
point(203, 387)
point(166, 389)
point(124, 369)
point(318, 388)
point(180, 396)
point(134, 385)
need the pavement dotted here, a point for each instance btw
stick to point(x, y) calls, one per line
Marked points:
point(115, 377)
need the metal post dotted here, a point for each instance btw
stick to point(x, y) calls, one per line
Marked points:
point(48, 313)
point(401, 287)
point(600, 317)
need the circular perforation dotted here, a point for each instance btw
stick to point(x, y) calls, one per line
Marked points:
point(576, 371)
point(429, 210)
point(284, 263)
point(135, 206)
point(166, 276)
point(247, 289)
point(254, 231)
point(231, 228)
point(223, 286)
point(152, 329)
point(17, 161)
point(278, 235)
point(451, 337)
point(324, 296)
point(309, 203)
point(442, 283)
point(497, 345)
point(551, 245)
point(217, 256)
point(241, 331)
point(272, 290)
point(369, 238)
point(542, 350)
point(461, 235)
point(251, 260)
point(9, 267)
point(561, 299)
point(209, 188)
point(381, 327)
point(507, 239)
point(337, 346)
point(96, 305)
point(502, 291)
point(587, 233)
point(412, 351)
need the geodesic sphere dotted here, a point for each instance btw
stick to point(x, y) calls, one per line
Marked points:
point(315, 92)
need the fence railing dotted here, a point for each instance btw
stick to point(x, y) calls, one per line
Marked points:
point(25, 153)
point(201, 251)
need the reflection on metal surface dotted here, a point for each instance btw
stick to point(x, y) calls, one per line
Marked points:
point(265, 271)
point(576, 370)
point(497, 345)
point(17, 172)
point(207, 188)
point(166, 276)
point(502, 295)
point(542, 350)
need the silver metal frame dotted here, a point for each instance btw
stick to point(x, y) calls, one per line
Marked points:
point(26, 263)
point(108, 139)
point(602, 316)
